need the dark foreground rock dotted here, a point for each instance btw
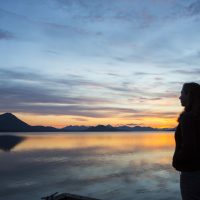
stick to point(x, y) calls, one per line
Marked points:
point(67, 196)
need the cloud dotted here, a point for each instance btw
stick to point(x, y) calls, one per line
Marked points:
point(133, 124)
point(112, 74)
point(101, 11)
point(193, 8)
point(6, 35)
point(76, 24)
point(67, 82)
point(26, 91)
point(87, 110)
point(165, 115)
point(79, 119)
point(154, 99)
point(15, 15)
point(61, 30)
point(187, 72)
point(145, 73)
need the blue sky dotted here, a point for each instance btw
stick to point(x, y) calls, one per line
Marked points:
point(91, 62)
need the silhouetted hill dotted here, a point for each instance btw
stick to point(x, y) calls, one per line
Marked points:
point(9, 122)
point(75, 128)
point(136, 128)
point(43, 129)
point(102, 128)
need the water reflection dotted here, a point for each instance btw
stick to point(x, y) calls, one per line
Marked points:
point(8, 142)
point(103, 142)
point(116, 166)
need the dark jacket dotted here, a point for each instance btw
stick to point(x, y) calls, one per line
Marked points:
point(187, 150)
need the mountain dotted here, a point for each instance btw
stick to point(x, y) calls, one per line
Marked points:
point(75, 128)
point(111, 128)
point(167, 129)
point(43, 129)
point(102, 128)
point(10, 123)
point(136, 128)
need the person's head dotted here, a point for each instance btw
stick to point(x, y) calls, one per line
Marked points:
point(190, 97)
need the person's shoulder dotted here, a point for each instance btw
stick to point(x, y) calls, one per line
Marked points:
point(186, 116)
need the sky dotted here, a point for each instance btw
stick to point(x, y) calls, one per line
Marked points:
point(89, 62)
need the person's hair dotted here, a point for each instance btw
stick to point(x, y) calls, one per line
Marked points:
point(193, 90)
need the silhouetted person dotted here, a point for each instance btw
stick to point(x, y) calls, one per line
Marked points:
point(186, 157)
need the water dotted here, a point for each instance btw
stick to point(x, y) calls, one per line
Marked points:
point(120, 166)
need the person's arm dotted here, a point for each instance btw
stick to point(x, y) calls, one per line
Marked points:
point(188, 143)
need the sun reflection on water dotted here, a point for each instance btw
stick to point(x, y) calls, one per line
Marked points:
point(111, 142)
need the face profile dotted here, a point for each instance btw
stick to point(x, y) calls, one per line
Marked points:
point(184, 98)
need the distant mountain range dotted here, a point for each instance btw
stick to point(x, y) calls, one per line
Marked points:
point(10, 123)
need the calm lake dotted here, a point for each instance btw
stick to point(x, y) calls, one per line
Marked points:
point(118, 166)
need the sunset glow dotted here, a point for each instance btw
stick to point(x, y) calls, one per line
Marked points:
point(62, 121)
point(116, 62)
